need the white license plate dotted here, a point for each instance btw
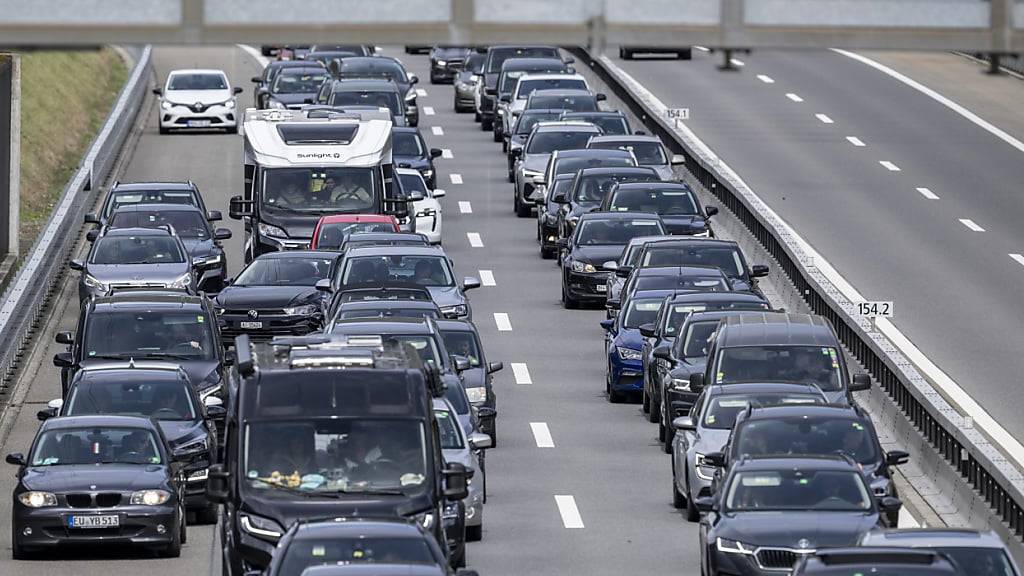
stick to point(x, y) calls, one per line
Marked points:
point(601, 287)
point(198, 123)
point(250, 325)
point(112, 521)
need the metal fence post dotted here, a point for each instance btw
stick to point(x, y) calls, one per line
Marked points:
point(10, 152)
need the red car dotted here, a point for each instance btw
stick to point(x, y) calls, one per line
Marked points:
point(331, 231)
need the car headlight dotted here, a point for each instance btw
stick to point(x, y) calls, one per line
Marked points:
point(276, 104)
point(427, 173)
point(36, 499)
point(572, 220)
point(198, 475)
point(200, 445)
point(580, 266)
point(209, 391)
point(261, 527)
point(441, 63)
point(451, 510)
point(426, 520)
point(304, 310)
point(181, 282)
point(681, 384)
point(269, 230)
point(166, 105)
point(229, 104)
point(733, 546)
point(150, 497)
point(699, 466)
point(218, 310)
point(454, 311)
point(93, 283)
point(628, 353)
point(426, 212)
point(501, 111)
point(410, 96)
point(208, 260)
point(477, 394)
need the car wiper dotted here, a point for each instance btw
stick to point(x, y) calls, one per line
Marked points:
point(109, 356)
point(166, 355)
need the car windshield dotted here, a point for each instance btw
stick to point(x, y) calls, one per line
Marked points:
point(509, 79)
point(592, 188)
point(667, 202)
point(323, 455)
point(448, 427)
point(333, 234)
point(695, 283)
point(389, 312)
point(96, 445)
point(807, 435)
point(573, 165)
point(137, 250)
point(304, 552)
point(695, 343)
point(290, 82)
point(475, 63)
point(526, 87)
point(318, 190)
point(163, 400)
point(378, 99)
point(185, 223)
point(722, 411)
point(197, 82)
point(528, 120)
point(641, 311)
point(549, 141)
point(561, 185)
point(413, 183)
point(448, 52)
point(983, 561)
point(407, 144)
point(154, 333)
point(424, 346)
point(372, 67)
point(423, 270)
point(615, 232)
point(646, 153)
point(678, 313)
point(285, 272)
point(818, 365)
point(726, 258)
point(570, 103)
point(118, 199)
point(611, 125)
point(465, 344)
point(500, 55)
point(797, 489)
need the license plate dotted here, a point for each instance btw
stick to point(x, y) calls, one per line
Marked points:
point(601, 287)
point(112, 521)
point(251, 325)
point(198, 123)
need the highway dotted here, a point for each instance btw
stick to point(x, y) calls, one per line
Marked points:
point(909, 200)
point(594, 500)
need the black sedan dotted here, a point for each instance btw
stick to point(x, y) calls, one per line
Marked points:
point(463, 341)
point(388, 68)
point(410, 151)
point(98, 479)
point(292, 87)
point(675, 202)
point(277, 294)
point(446, 61)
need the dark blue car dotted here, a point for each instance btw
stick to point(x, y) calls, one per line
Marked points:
point(623, 345)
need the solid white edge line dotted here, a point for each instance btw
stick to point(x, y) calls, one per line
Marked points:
point(765, 78)
point(542, 435)
point(855, 141)
point(889, 166)
point(794, 97)
point(824, 118)
point(955, 394)
point(455, 178)
point(521, 373)
point(465, 207)
point(447, 153)
point(475, 240)
point(977, 120)
point(1018, 258)
point(501, 320)
point(971, 225)
point(928, 194)
point(255, 53)
point(487, 278)
point(567, 509)
point(428, 110)
point(437, 130)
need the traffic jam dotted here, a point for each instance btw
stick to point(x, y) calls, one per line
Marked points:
point(331, 407)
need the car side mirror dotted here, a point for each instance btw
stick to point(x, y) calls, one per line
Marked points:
point(221, 234)
point(714, 459)
point(239, 208)
point(456, 480)
point(562, 243)
point(236, 90)
point(63, 360)
point(480, 441)
point(158, 91)
point(92, 235)
point(684, 423)
point(600, 97)
point(214, 216)
point(613, 304)
point(461, 363)
point(469, 283)
point(710, 211)
point(662, 353)
point(623, 271)
point(91, 218)
point(758, 270)
point(559, 198)
point(436, 152)
point(696, 381)
point(705, 503)
point(610, 266)
point(15, 458)
point(678, 159)
point(896, 457)
point(307, 101)
point(493, 367)
point(515, 152)
point(860, 383)
point(648, 330)
point(640, 132)
point(323, 285)
point(505, 98)
point(76, 265)
point(414, 79)
point(256, 79)
point(568, 59)
point(217, 484)
point(438, 193)
point(65, 337)
point(889, 503)
point(52, 409)
point(216, 412)
point(607, 325)
point(491, 91)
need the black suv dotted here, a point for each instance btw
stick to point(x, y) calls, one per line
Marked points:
point(496, 56)
point(128, 193)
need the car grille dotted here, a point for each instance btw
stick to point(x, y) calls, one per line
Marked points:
point(108, 499)
point(212, 119)
point(260, 313)
point(100, 499)
point(777, 558)
point(79, 500)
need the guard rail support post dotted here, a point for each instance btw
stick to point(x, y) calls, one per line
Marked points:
point(10, 157)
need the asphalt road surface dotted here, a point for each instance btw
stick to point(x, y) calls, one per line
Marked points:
point(907, 199)
point(595, 500)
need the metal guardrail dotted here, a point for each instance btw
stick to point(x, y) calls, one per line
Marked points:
point(28, 295)
point(980, 464)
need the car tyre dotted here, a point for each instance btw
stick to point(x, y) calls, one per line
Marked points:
point(654, 416)
point(678, 500)
point(504, 146)
point(498, 137)
point(474, 533)
point(645, 402)
point(165, 130)
point(208, 514)
point(523, 209)
point(546, 253)
point(668, 435)
point(173, 550)
point(569, 303)
point(476, 116)
point(692, 514)
point(625, 54)
point(19, 552)
point(486, 124)
point(231, 130)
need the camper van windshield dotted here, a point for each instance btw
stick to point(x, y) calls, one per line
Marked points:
point(319, 189)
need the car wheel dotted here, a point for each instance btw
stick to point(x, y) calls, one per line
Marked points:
point(654, 416)
point(486, 124)
point(497, 133)
point(692, 514)
point(669, 435)
point(686, 54)
point(546, 253)
point(165, 130)
point(231, 130)
point(474, 533)
point(477, 117)
point(678, 500)
point(523, 209)
point(207, 515)
point(173, 550)
point(661, 432)
point(568, 302)
point(19, 552)
point(625, 54)
point(645, 401)
point(504, 146)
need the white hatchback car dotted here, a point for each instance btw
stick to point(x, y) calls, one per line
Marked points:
point(198, 99)
point(427, 211)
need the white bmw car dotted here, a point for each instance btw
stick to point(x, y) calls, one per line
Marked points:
point(427, 211)
point(198, 100)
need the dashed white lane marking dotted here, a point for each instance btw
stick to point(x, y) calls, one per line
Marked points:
point(428, 110)
point(824, 119)
point(421, 92)
point(971, 225)
point(542, 435)
point(855, 141)
point(437, 130)
point(703, 48)
point(446, 153)
point(794, 97)
point(766, 79)
point(475, 240)
point(1019, 258)
point(502, 322)
point(889, 166)
point(570, 513)
point(737, 62)
point(928, 194)
point(456, 178)
point(487, 278)
point(465, 207)
point(521, 373)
